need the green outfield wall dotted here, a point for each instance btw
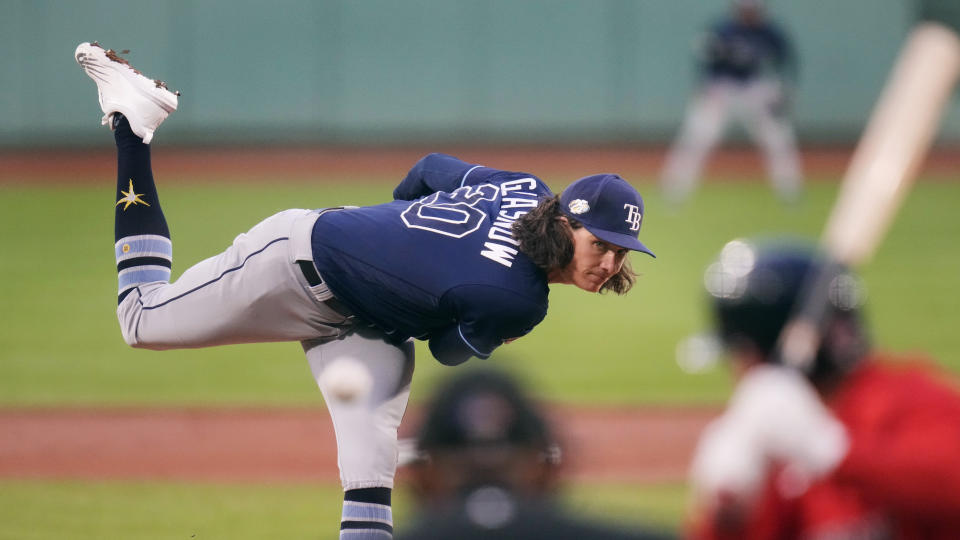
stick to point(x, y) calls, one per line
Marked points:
point(423, 71)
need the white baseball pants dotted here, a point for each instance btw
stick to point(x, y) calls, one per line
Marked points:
point(255, 292)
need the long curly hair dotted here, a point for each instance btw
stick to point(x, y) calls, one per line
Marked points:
point(548, 242)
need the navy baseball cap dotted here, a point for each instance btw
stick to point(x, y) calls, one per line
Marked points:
point(608, 207)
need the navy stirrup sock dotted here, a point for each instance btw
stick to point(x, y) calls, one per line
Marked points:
point(143, 250)
point(366, 514)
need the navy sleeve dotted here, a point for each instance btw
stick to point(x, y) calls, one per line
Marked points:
point(787, 63)
point(449, 348)
point(486, 317)
point(434, 172)
point(709, 52)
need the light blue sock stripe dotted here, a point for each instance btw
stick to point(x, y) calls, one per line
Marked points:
point(137, 275)
point(144, 245)
point(360, 511)
point(364, 534)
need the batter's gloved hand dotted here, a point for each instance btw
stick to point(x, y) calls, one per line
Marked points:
point(774, 416)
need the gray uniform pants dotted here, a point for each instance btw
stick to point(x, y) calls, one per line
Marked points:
point(754, 104)
point(255, 292)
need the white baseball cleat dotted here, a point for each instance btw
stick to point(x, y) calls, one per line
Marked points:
point(145, 102)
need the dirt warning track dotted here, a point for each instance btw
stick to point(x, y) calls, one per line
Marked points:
point(298, 445)
point(324, 163)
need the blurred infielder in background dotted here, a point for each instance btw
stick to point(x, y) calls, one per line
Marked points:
point(861, 446)
point(462, 257)
point(746, 67)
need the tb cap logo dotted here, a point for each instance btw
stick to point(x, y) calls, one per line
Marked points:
point(633, 216)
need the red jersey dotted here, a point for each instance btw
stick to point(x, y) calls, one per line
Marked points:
point(900, 478)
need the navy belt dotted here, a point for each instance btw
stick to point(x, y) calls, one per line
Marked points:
point(314, 279)
point(310, 272)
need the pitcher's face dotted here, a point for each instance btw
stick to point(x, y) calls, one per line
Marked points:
point(594, 261)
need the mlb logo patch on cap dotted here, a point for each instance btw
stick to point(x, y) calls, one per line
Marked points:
point(578, 206)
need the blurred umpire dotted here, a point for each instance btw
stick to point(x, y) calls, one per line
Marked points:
point(489, 468)
point(856, 446)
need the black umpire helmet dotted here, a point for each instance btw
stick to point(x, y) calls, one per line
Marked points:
point(483, 408)
point(756, 286)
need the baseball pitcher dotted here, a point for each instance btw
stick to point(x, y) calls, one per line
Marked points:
point(462, 257)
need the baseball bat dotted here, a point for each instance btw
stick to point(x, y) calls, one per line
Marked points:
point(885, 162)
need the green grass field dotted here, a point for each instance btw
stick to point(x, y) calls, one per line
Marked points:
point(60, 345)
point(42, 510)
